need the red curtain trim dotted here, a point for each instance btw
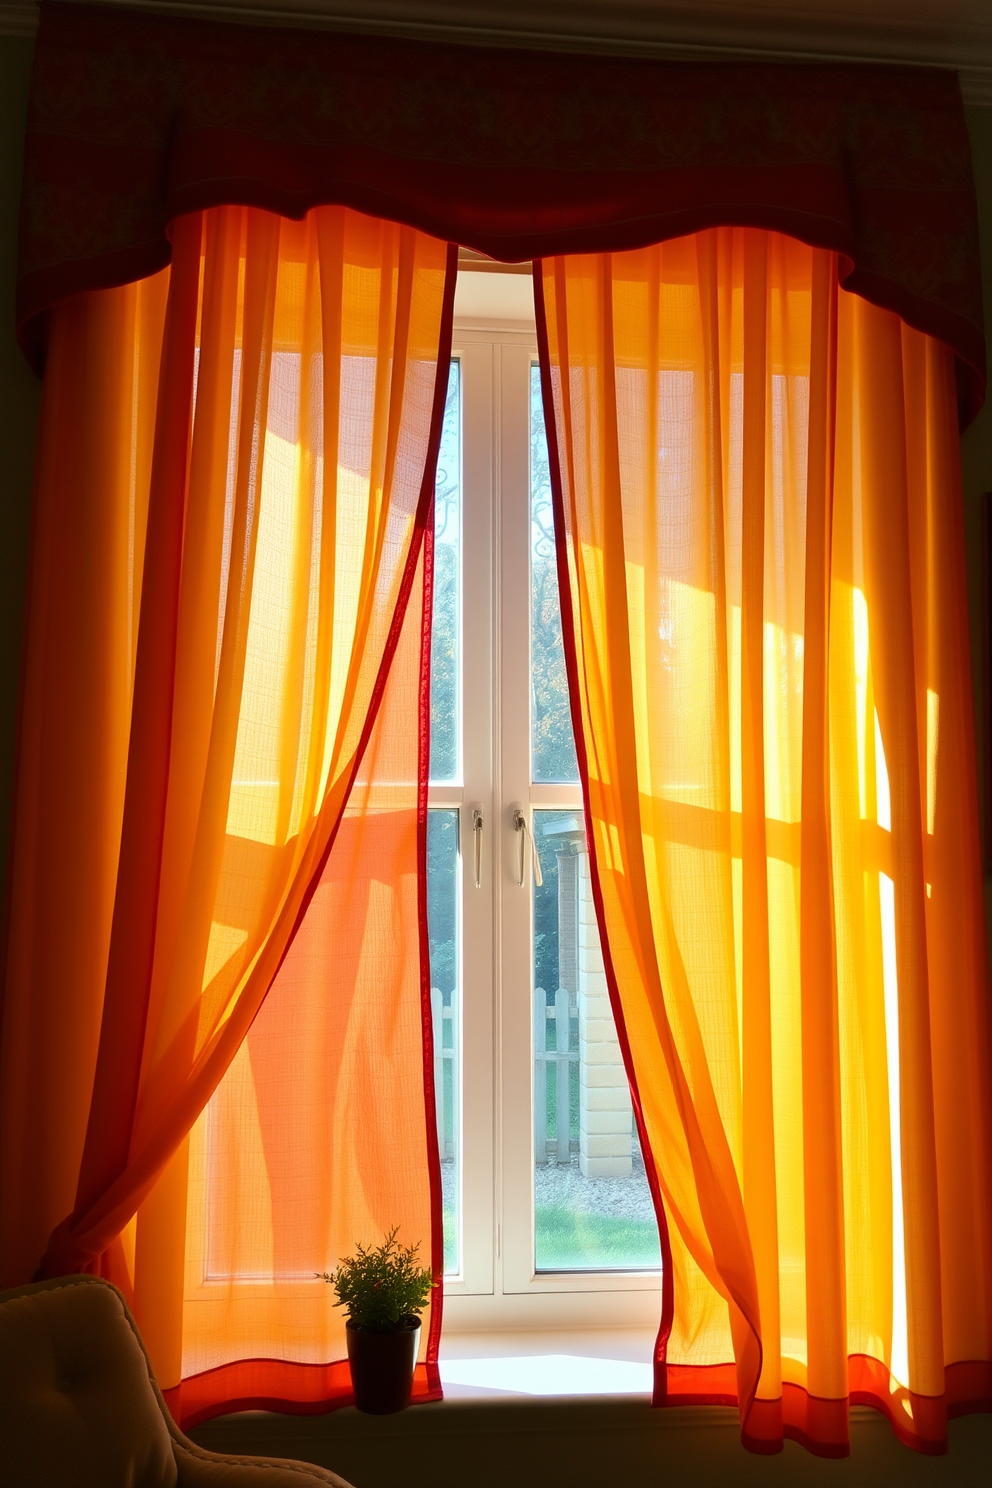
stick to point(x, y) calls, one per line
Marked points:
point(821, 1426)
point(426, 1013)
point(423, 780)
point(274, 1385)
point(136, 120)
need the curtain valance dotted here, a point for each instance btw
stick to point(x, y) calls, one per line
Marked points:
point(135, 120)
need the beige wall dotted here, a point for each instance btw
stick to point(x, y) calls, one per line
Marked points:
point(19, 397)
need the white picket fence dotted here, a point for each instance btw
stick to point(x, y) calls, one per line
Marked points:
point(552, 1026)
point(444, 1016)
point(554, 1064)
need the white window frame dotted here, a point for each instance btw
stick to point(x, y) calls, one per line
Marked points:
point(497, 1286)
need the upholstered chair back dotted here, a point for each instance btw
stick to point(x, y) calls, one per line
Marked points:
point(77, 1405)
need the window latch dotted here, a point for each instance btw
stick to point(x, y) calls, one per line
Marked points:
point(477, 825)
point(525, 835)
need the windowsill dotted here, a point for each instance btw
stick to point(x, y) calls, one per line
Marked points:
point(549, 1407)
point(501, 1437)
point(550, 1365)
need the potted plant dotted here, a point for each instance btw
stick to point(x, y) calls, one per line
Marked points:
point(384, 1292)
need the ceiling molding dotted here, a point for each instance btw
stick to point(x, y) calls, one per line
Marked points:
point(914, 32)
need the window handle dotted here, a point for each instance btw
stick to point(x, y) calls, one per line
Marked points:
point(478, 821)
point(525, 835)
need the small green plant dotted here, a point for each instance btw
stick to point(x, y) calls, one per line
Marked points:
point(383, 1288)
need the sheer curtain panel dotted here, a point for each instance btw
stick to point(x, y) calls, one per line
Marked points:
point(235, 479)
point(762, 569)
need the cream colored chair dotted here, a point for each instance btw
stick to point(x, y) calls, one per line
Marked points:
point(80, 1408)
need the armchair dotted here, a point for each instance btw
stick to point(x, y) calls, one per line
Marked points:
point(80, 1407)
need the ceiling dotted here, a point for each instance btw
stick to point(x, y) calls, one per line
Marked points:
point(953, 33)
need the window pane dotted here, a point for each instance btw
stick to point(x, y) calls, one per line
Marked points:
point(552, 746)
point(592, 1204)
point(442, 923)
point(446, 632)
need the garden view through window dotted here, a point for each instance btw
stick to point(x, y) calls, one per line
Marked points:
point(592, 1208)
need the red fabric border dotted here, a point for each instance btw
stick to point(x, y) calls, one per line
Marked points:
point(273, 1385)
point(426, 1015)
point(137, 119)
point(423, 781)
point(821, 1426)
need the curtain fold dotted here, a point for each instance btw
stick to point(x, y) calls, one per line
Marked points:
point(235, 479)
point(761, 555)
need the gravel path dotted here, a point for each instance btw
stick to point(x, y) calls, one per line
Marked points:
point(562, 1186)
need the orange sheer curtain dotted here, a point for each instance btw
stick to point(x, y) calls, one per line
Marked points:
point(761, 554)
point(235, 477)
point(317, 1136)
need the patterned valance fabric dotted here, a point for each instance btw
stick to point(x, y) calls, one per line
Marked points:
point(135, 120)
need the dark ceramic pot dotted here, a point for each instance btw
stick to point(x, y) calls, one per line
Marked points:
point(382, 1367)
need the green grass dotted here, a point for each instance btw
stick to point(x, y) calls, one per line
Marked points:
point(570, 1241)
point(450, 1239)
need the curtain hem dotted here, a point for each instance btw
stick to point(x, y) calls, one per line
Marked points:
point(274, 1385)
point(821, 1426)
